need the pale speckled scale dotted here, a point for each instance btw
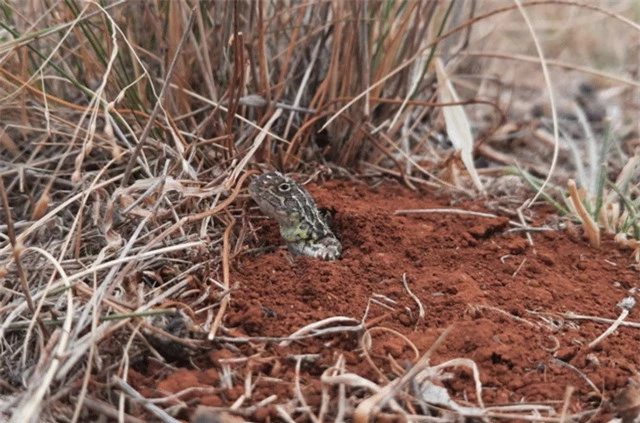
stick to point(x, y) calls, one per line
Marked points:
point(301, 223)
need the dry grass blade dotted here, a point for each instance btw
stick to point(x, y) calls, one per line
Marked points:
point(29, 407)
point(315, 327)
point(16, 247)
point(370, 406)
point(458, 127)
point(626, 305)
point(225, 265)
point(591, 227)
point(158, 104)
point(552, 101)
point(421, 312)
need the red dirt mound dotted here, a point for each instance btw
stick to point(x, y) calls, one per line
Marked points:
point(504, 300)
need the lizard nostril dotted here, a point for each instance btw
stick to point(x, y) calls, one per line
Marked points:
point(284, 187)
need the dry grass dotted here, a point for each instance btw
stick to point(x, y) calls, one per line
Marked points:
point(129, 130)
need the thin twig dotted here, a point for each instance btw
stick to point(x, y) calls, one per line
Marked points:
point(315, 325)
point(412, 295)
point(574, 316)
point(575, 369)
point(626, 305)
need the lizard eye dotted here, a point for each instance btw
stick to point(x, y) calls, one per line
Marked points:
point(284, 187)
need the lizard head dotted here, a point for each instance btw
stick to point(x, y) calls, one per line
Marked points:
point(301, 223)
point(281, 197)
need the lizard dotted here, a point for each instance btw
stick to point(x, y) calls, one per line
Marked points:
point(302, 226)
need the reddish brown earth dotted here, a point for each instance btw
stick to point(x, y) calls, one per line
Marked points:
point(504, 300)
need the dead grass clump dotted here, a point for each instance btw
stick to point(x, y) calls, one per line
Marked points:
point(129, 129)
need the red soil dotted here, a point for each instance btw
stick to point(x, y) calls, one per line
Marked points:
point(503, 299)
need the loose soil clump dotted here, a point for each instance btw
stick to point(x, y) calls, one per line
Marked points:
point(508, 305)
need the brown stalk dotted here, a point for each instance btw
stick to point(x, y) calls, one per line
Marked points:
point(395, 45)
point(24, 59)
point(237, 80)
point(303, 133)
point(364, 57)
point(50, 97)
point(279, 88)
point(181, 73)
point(346, 70)
point(590, 226)
point(225, 279)
point(352, 149)
point(16, 251)
point(78, 242)
point(178, 135)
point(204, 53)
point(156, 108)
point(306, 133)
point(333, 74)
point(265, 88)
